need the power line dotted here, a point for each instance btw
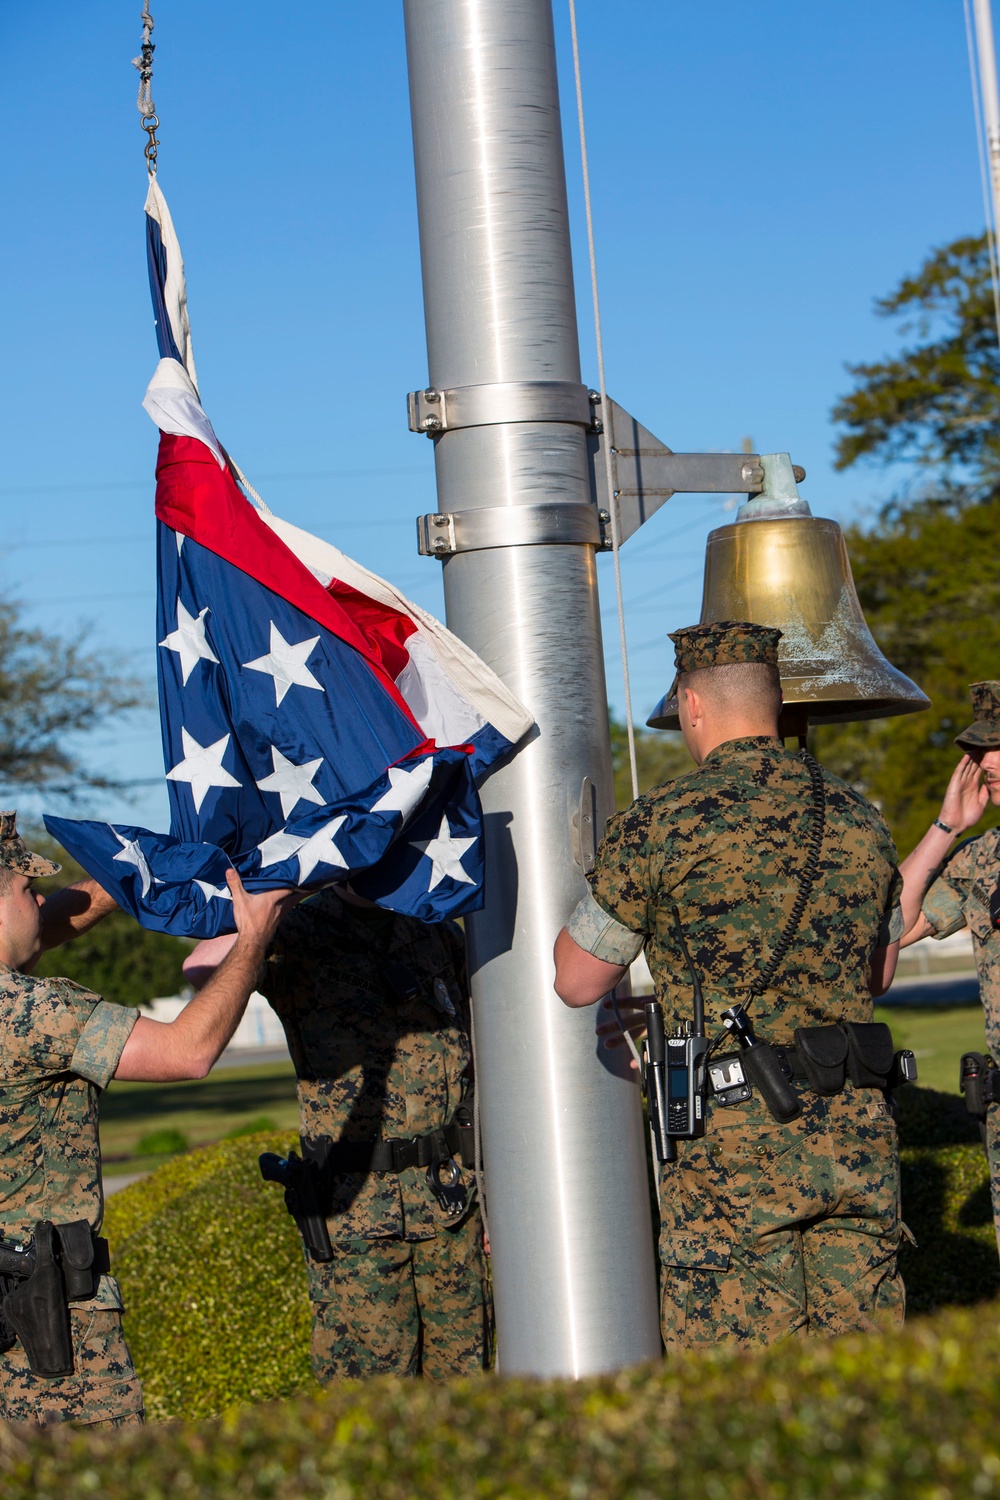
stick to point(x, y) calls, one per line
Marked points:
point(147, 484)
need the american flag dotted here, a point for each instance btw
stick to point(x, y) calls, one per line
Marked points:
point(317, 726)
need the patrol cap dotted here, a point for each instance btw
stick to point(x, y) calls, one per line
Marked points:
point(14, 853)
point(984, 731)
point(720, 643)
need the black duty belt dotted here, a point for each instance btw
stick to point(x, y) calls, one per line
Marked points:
point(394, 1156)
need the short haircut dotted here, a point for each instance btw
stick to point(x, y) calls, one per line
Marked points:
point(6, 880)
point(751, 689)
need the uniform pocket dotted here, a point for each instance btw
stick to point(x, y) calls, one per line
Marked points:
point(700, 1301)
point(695, 1251)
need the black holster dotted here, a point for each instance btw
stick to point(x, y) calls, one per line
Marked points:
point(306, 1198)
point(36, 1309)
point(979, 1081)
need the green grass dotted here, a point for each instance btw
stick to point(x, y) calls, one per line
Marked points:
point(210, 1109)
point(938, 1037)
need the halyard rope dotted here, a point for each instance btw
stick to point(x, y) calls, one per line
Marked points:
point(604, 412)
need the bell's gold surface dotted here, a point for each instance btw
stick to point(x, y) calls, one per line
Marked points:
point(795, 573)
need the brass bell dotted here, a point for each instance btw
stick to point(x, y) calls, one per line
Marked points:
point(778, 564)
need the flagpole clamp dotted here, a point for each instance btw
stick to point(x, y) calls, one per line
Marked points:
point(433, 412)
point(442, 534)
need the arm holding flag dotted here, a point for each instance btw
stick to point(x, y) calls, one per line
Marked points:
point(190, 1045)
point(74, 910)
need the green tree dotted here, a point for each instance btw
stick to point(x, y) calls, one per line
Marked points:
point(53, 691)
point(659, 757)
point(926, 571)
point(117, 959)
point(937, 402)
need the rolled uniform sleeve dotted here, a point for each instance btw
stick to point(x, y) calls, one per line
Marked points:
point(55, 1026)
point(102, 1041)
point(602, 935)
point(945, 902)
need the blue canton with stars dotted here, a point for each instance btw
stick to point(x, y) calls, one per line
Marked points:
point(285, 758)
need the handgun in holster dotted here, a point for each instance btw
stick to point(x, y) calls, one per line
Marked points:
point(61, 1264)
point(303, 1182)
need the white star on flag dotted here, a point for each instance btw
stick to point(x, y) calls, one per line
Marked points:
point(406, 788)
point(188, 640)
point(202, 767)
point(293, 783)
point(319, 849)
point(445, 854)
point(131, 854)
point(286, 663)
point(214, 892)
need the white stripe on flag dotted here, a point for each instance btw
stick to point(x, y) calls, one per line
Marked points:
point(175, 291)
point(446, 684)
point(173, 404)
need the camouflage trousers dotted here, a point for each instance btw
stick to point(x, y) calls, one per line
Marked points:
point(771, 1230)
point(103, 1391)
point(993, 1155)
point(403, 1307)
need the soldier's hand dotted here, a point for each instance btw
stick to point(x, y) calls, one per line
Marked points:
point(257, 915)
point(633, 1016)
point(966, 797)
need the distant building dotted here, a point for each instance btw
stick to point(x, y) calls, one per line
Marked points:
point(259, 1027)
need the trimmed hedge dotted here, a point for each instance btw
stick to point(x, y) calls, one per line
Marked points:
point(212, 1274)
point(858, 1418)
point(213, 1280)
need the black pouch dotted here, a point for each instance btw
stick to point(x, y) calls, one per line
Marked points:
point(869, 1053)
point(822, 1052)
point(37, 1311)
point(77, 1246)
point(461, 1136)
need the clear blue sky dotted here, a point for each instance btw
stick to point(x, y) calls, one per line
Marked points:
point(761, 173)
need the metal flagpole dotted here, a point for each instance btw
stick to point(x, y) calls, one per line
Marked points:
point(562, 1131)
point(986, 51)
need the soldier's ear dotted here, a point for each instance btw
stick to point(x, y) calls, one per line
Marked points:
point(695, 707)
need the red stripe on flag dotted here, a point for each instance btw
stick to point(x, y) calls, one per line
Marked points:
point(202, 501)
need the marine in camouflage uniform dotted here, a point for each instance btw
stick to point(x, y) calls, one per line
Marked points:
point(374, 1006)
point(60, 1047)
point(767, 1230)
point(962, 886)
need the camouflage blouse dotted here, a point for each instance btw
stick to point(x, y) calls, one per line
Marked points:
point(373, 1061)
point(960, 897)
point(59, 1047)
point(725, 845)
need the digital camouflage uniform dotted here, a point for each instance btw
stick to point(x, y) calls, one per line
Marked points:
point(406, 1291)
point(767, 1230)
point(960, 897)
point(59, 1047)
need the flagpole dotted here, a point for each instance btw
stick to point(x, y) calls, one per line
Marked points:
point(563, 1143)
point(986, 51)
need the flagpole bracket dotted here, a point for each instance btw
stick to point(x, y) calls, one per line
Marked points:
point(442, 534)
point(433, 412)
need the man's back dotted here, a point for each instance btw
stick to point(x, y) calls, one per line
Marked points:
point(727, 845)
